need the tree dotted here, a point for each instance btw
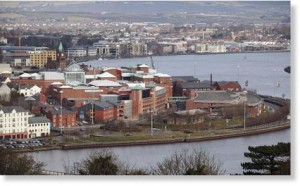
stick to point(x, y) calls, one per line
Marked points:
point(12, 163)
point(197, 162)
point(268, 160)
point(104, 162)
point(100, 163)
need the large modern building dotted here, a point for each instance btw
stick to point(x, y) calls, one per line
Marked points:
point(40, 58)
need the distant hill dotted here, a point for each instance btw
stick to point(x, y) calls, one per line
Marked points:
point(257, 10)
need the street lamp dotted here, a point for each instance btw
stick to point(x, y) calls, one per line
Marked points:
point(61, 121)
point(245, 103)
point(151, 121)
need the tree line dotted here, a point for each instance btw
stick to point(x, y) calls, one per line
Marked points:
point(265, 160)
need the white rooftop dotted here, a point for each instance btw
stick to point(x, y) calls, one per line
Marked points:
point(106, 75)
point(144, 65)
point(104, 83)
point(25, 75)
point(162, 75)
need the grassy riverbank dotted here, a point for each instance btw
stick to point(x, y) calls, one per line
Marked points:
point(147, 139)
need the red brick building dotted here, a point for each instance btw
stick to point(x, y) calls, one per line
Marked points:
point(227, 86)
point(74, 96)
point(99, 112)
point(60, 118)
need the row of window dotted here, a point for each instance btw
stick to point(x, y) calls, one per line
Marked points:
point(14, 114)
point(12, 125)
point(12, 131)
point(37, 130)
point(13, 120)
point(38, 125)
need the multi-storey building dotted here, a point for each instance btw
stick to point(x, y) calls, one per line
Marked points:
point(38, 127)
point(40, 58)
point(61, 118)
point(13, 122)
point(16, 123)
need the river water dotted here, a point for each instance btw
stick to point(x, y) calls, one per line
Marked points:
point(262, 70)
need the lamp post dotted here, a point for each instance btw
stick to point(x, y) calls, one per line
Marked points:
point(61, 121)
point(245, 103)
point(151, 121)
point(238, 67)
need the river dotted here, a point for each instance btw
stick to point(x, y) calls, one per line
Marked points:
point(262, 70)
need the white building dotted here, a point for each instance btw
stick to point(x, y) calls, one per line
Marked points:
point(13, 122)
point(29, 90)
point(210, 48)
point(38, 127)
point(76, 52)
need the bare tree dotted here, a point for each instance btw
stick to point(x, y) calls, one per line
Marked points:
point(196, 162)
point(12, 163)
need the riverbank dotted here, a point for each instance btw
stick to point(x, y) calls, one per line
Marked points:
point(224, 134)
point(85, 59)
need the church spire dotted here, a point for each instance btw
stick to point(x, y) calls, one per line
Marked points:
point(60, 48)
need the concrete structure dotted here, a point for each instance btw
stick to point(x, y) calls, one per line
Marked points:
point(38, 127)
point(13, 122)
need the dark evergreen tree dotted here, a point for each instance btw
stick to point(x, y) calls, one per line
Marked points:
point(268, 160)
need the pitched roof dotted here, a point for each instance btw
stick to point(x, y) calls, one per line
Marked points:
point(106, 75)
point(9, 109)
point(222, 83)
point(184, 78)
point(193, 85)
point(216, 96)
point(55, 111)
point(98, 105)
point(40, 119)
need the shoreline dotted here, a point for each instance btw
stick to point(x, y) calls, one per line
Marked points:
point(156, 55)
point(234, 134)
